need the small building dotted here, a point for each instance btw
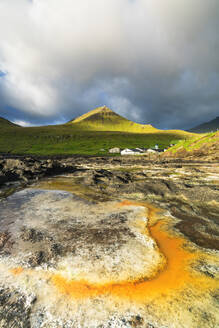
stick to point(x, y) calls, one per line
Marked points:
point(135, 151)
point(141, 150)
point(115, 150)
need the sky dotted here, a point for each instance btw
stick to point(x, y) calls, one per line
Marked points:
point(151, 61)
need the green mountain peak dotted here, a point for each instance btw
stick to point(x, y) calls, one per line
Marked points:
point(104, 119)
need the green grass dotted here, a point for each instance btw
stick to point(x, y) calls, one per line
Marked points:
point(68, 139)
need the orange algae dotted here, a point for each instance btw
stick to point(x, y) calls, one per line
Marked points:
point(17, 271)
point(173, 277)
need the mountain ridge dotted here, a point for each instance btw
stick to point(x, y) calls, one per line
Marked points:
point(209, 126)
point(6, 123)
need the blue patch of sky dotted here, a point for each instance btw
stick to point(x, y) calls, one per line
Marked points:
point(2, 74)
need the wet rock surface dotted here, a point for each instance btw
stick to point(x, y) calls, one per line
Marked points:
point(190, 192)
point(15, 308)
point(66, 236)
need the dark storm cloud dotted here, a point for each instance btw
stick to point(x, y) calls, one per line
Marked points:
point(152, 61)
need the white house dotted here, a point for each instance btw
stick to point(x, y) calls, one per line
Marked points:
point(141, 150)
point(128, 151)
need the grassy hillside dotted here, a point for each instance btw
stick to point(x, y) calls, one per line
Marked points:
point(91, 134)
point(210, 126)
point(205, 146)
point(66, 139)
point(5, 123)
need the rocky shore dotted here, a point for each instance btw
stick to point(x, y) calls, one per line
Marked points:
point(28, 169)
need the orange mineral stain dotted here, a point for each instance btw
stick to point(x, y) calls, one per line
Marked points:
point(174, 275)
point(17, 270)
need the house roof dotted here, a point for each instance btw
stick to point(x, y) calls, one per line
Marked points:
point(135, 150)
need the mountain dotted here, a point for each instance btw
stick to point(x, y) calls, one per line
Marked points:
point(200, 147)
point(5, 123)
point(210, 126)
point(104, 119)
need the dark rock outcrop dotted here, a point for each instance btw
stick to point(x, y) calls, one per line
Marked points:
point(30, 169)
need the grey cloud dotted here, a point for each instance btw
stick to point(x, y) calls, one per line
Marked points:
point(152, 61)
